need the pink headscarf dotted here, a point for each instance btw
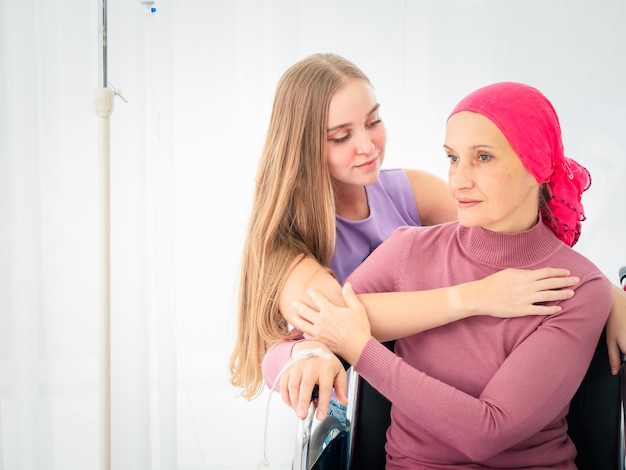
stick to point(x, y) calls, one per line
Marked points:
point(530, 124)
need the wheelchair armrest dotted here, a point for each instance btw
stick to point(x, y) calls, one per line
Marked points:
point(314, 437)
point(304, 431)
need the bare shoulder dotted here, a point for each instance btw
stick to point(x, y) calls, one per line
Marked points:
point(435, 203)
point(422, 181)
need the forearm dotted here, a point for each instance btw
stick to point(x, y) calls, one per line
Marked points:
point(394, 315)
point(505, 294)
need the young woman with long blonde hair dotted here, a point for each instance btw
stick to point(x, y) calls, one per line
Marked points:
point(322, 205)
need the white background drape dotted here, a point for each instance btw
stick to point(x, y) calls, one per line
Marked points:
point(199, 78)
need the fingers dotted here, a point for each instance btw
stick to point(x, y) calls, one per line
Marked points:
point(286, 385)
point(307, 314)
point(552, 295)
point(556, 282)
point(615, 355)
point(326, 385)
point(544, 273)
point(614, 359)
point(304, 311)
point(323, 401)
point(349, 296)
point(537, 310)
point(298, 382)
point(546, 279)
point(301, 324)
point(304, 320)
point(296, 388)
point(287, 382)
point(319, 299)
point(549, 287)
point(300, 395)
point(341, 387)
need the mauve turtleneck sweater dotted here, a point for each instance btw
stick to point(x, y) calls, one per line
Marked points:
point(482, 392)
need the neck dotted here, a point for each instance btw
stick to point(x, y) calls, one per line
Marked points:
point(504, 250)
point(351, 202)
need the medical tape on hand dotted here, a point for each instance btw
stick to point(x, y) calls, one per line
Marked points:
point(308, 353)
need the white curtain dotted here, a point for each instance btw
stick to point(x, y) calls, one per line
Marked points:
point(199, 78)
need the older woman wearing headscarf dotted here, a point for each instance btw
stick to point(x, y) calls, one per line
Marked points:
point(482, 392)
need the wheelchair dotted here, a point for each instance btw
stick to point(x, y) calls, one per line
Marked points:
point(595, 424)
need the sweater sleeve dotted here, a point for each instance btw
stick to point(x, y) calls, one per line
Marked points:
point(274, 360)
point(531, 387)
point(381, 271)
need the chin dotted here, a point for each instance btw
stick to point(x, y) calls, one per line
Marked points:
point(371, 178)
point(466, 220)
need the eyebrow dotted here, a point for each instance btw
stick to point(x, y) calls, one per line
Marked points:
point(473, 147)
point(348, 124)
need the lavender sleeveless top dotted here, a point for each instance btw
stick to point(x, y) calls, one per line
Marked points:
point(392, 205)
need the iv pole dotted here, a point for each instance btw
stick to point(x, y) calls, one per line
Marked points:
point(103, 107)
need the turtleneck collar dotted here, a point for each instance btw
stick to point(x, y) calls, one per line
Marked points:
point(503, 250)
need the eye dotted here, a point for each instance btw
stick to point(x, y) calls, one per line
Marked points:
point(452, 158)
point(339, 140)
point(374, 123)
point(483, 157)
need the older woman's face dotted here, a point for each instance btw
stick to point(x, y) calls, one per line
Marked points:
point(491, 186)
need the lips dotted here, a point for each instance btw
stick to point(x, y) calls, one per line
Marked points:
point(464, 203)
point(368, 163)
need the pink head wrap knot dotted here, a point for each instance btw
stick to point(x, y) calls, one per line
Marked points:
point(530, 124)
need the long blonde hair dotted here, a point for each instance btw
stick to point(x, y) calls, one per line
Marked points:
point(293, 212)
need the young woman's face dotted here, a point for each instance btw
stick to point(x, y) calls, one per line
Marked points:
point(492, 187)
point(356, 135)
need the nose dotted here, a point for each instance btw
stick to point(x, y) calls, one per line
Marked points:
point(363, 143)
point(460, 175)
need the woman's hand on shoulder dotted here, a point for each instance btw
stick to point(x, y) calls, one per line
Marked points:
point(345, 330)
point(516, 292)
